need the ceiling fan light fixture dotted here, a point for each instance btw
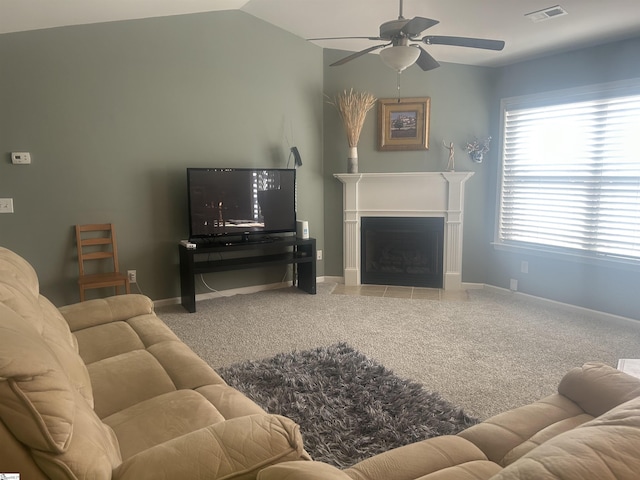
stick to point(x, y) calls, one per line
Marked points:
point(399, 57)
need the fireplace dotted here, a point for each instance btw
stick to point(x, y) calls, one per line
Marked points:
point(437, 195)
point(404, 251)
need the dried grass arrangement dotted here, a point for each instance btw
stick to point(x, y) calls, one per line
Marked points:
point(353, 108)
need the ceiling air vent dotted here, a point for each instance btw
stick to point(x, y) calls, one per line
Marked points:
point(546, 14)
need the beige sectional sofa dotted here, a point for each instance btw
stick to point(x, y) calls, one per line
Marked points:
point(104, 390)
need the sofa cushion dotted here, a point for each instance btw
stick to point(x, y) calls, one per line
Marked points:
point(473, 470)
point(36, 398)
point(105, 310)
point(235, 449)
point(605, 448)
point(302, 470)
point(122, 381)
point(419, 460)
point(22, 272)
point(230, 402)
point(64, 346)
point(544, 435)
point(151, 330)
point(184, 367)
point(160, 419)
point(45, 318)
point(20, 300)
point(502, 436)
point(45, 412)
point(15, 456)
point(92, 452)
point(104, 341)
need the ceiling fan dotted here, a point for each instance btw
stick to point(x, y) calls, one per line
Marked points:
point(402, 52)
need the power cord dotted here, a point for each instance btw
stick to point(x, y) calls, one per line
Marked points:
point(211, 289)
point(286, 274)
point(137, 284)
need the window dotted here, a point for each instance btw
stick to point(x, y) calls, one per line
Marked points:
point(570, 177)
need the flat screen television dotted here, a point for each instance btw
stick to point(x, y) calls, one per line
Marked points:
point(242, 202)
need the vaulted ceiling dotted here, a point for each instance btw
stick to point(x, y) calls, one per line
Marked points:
point(585, 23)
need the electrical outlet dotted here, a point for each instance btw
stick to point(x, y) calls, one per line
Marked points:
point(6, 205)
point(133, 276)
point(318, 254)
point(513, 285)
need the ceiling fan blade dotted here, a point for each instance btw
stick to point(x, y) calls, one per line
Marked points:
point(417, 25)
point(463, 42)
point(345, 38)
point(425, 61)
point(357, 54)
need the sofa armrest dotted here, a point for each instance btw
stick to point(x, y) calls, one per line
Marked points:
point(302, 471)
point(606, 448)
point(503, 433)
point(597, 388)
point(106, 310)
point(233, 449)
point(593, 388)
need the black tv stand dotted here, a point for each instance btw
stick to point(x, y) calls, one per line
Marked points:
point(260, 253)
point(244, 239)
point(248, 239)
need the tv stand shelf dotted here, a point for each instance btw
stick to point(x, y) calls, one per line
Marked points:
point(301, 252)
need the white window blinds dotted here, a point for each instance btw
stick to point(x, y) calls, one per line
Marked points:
point(571, 177)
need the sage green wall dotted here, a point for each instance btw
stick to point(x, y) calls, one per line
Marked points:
point(613, 289)
point(113, 114)
point(461, 102)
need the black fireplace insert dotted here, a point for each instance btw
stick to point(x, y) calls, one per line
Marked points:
point(405, 251)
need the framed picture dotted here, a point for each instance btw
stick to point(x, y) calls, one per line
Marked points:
point(403, 124)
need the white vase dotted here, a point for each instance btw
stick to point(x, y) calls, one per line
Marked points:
point(352, 160)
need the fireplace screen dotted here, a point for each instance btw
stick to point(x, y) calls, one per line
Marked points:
point(402, 251)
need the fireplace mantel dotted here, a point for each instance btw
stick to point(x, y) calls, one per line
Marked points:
point(405, 194)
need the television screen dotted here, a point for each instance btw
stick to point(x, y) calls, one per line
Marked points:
point(241, 201)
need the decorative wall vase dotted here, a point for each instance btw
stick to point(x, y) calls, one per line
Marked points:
point(477, 156)
point(352, 160)
point(477, 149)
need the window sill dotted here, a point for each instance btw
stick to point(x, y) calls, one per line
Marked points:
point(604, 262)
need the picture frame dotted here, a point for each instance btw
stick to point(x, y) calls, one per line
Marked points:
point(403, 123)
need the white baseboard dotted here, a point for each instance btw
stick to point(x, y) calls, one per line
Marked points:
point(336, 279)
point(564, 306)
point(465, 285)
point(231, 292)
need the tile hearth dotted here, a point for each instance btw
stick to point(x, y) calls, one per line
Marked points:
point(414, 293)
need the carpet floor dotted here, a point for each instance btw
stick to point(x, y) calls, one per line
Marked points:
point(487, 353)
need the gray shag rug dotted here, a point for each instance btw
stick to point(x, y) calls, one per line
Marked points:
point(348, 406)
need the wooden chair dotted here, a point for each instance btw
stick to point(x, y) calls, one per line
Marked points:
point(97, 244)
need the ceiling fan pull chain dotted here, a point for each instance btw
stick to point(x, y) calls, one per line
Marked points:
point(398, 86)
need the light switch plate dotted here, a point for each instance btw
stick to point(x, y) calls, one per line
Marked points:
point(20, 158)
point(6, 205)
